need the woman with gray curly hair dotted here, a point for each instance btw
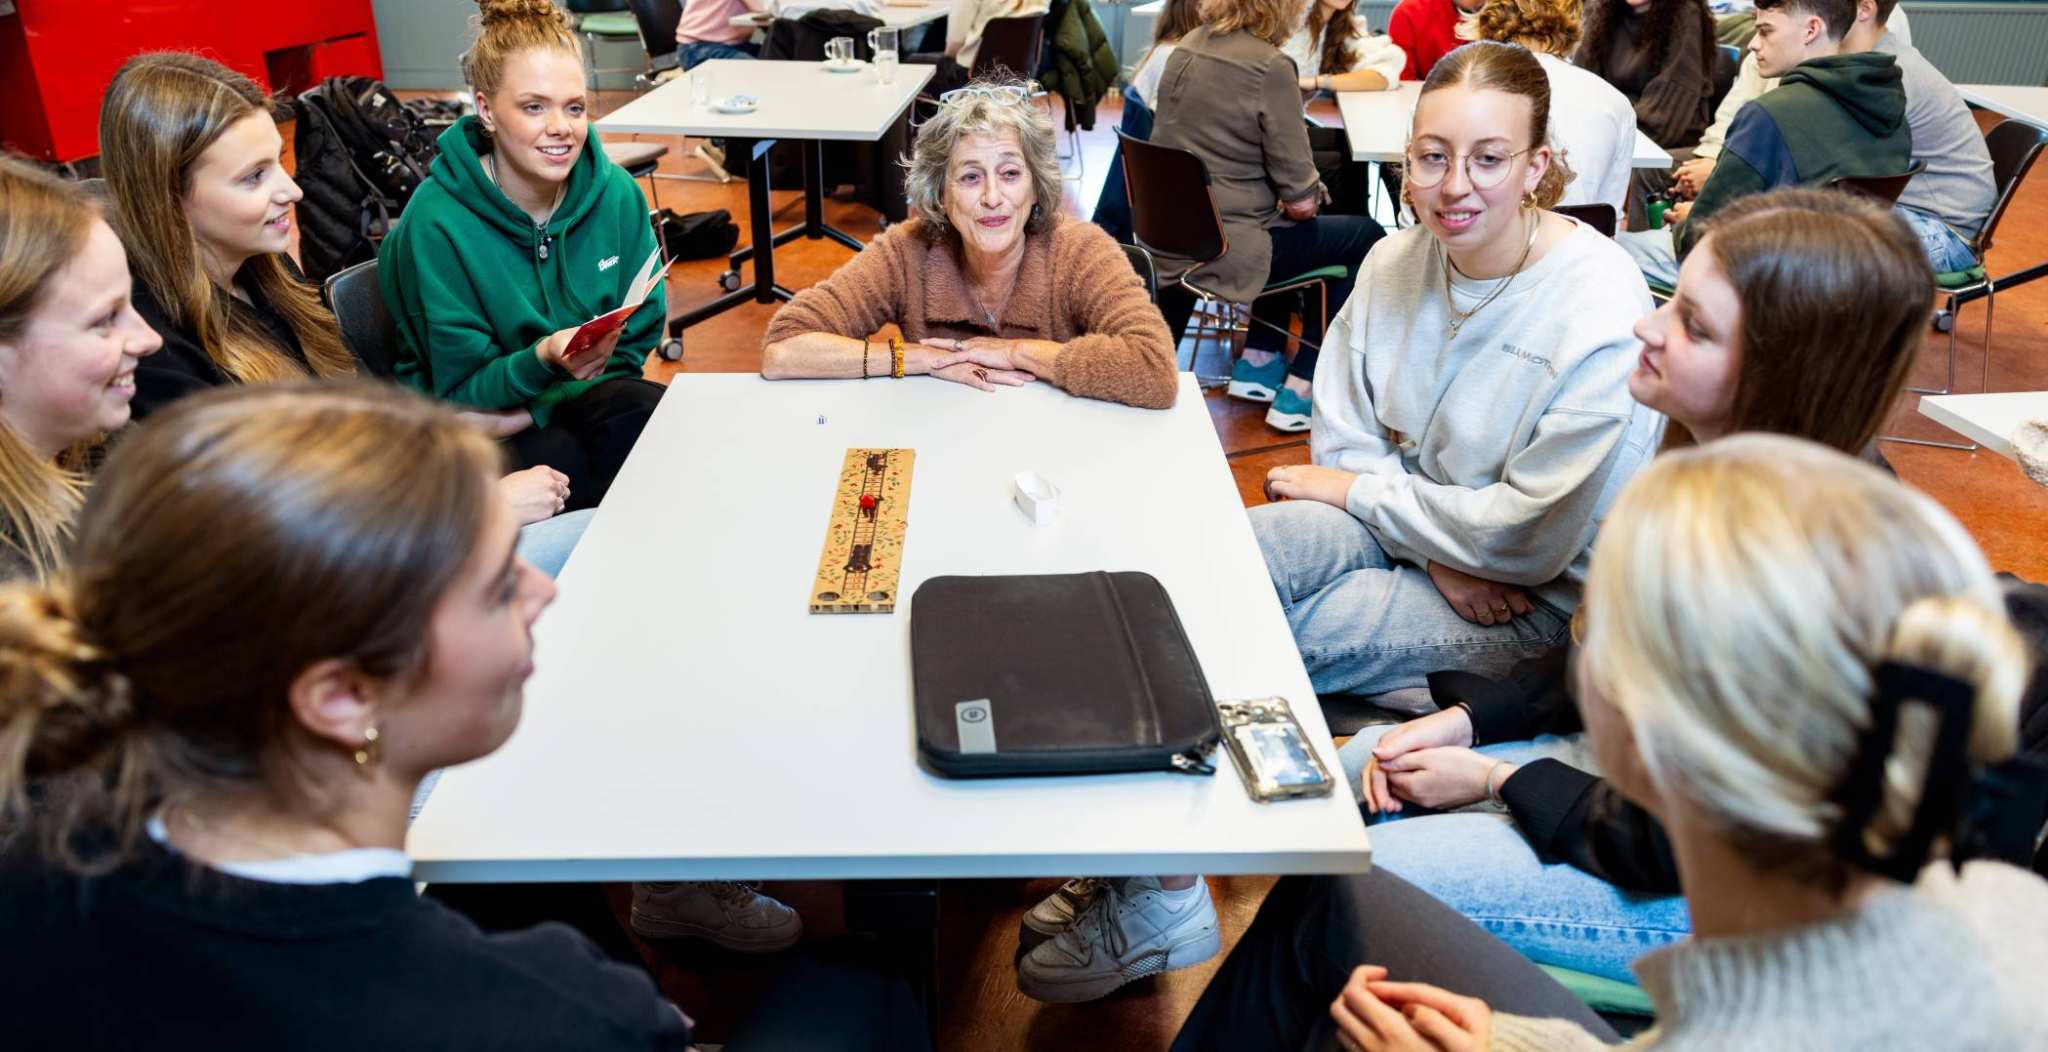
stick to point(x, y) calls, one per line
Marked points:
point(988, 283)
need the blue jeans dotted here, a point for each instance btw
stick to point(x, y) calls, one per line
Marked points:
point(1654, 252)
point(547, 543)
point(1946, 252)
point(704, 51)
point(1476, 862)
point(1367, 624)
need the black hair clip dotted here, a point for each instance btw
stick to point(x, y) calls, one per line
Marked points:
point(1948, 769)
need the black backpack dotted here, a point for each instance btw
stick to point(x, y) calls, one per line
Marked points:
point(696, 235)
point(361, 154)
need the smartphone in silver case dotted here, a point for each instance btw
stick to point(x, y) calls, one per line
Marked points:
point(1270, 750)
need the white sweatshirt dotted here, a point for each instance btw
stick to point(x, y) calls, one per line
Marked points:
point(1595, 125)
point(1499, 452)
point(1375, 52)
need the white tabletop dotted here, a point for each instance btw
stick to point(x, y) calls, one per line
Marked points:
point(1376, 123)
point(1986, 419)
point(690, 719)
point(798, 100)
point(2027, 104)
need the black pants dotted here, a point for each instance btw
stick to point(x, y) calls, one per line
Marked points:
point(841, 997)
point(1274, 991)
point(588, 437)
point(1319, 242)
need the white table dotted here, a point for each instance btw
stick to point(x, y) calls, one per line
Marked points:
point(690, 720)
point(2020, 103)
point(894, 14)
point(798, 100)
point(1377, 122)
point(1986, 419)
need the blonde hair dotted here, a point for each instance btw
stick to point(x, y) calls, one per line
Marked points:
point(985, 107)
point(1742, 596)
point(1490, 65)
point(43, 226)
point(505, 28)
point(161, 112)
point(234, 540)
point(1272, 21)
point(1549, 26)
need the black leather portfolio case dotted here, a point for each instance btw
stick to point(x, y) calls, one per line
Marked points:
point(1056, 674)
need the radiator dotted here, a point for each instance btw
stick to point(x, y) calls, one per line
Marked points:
point(1983, 42)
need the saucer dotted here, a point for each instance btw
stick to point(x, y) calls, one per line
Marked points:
point(736, 104)
point(850, 66)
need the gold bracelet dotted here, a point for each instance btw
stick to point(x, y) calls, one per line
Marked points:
point(896, 356)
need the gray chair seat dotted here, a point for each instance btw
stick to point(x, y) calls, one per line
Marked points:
point(633, 156)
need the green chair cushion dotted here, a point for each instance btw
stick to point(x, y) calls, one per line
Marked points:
point(1603, 994)
point(608, 24)
point(1333, 272)
point(1956, 279)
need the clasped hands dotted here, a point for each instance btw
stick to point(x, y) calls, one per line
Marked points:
point(1430, 761)
point(982, 362)
point(1374, 1015)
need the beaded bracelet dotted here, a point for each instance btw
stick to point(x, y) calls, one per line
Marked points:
point(865, 347)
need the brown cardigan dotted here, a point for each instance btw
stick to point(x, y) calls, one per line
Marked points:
point(1075, 287)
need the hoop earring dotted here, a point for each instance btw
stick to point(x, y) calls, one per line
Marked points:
point(367, 756)
point(1529, 199)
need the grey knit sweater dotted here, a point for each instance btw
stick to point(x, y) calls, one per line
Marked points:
point(1951, 964)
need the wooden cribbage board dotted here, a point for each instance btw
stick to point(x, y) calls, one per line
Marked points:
point(863, 554)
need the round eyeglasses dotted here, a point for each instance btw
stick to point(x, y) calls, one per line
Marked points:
point(1485, 168)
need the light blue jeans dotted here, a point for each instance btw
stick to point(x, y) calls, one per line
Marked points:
point(1476, 862)
point(1654, 252)
point(1367, 624)
point(546, 544)
point(1946, 252)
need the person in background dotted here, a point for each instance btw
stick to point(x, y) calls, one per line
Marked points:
point(1948, 202)
point(1659, 53)
point(1178, 19)
point(989, 283)
point(70, 343)
point(1334, 51)
point(1231, 97)
point(1427, 30)
point(1591, 123)
point(199, 191)
point(1835, 115)
point(970, 18)
point(706, 31)
point(1799, 667)
point(1799, 315)
point(1472, 419)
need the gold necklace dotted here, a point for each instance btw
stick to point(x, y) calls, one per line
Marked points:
point(1458, 318)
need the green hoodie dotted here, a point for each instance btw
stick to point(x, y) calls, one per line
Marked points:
point(1829, 118)
point(464, 277)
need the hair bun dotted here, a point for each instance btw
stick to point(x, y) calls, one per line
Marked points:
point(497, 12)
point(55, 682)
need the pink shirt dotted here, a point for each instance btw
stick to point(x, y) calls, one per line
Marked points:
point(709, 21)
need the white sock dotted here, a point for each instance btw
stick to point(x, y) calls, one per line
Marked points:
point(1259, 359)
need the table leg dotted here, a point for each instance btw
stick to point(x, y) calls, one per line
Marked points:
point(763, 289)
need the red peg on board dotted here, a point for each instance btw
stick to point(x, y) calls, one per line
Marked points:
point(868, 503)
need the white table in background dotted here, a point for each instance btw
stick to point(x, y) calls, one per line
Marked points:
point(2020, 103)
point(690, 719)
point(1376, 123)
point(1986, 419)
point(894, 14)
point(798, 101)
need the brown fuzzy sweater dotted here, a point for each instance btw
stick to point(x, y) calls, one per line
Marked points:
point(1075, 287)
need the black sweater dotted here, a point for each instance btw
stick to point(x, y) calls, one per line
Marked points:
point(183, 367)
point(162, 954)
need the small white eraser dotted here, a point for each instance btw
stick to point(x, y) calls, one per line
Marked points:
point(1038, 499)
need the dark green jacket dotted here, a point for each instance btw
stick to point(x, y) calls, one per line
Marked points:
point(463, 276)
point(1079, 64)
point(1829, 118)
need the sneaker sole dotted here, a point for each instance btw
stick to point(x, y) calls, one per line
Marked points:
point(1287, 422)
point(655, 928)
point(1171, 959)
point(1251, 392)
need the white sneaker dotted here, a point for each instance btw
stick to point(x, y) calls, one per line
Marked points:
point(1133, 929)
point(1056, 912)
point(734, 916)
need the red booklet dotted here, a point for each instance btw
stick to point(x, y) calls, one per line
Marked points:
point(596, 329)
